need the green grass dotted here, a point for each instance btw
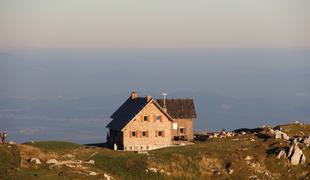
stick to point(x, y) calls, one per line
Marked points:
point(9, 159)
point(54, 145)
point(125, 165)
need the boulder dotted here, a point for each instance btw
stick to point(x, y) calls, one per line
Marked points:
point(280, 135)
point(51, 161)
point(296, 155)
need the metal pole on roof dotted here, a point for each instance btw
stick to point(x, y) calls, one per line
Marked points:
point(164, 95)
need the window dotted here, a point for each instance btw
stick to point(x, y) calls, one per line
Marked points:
point(160, 133)
point(158, 118)
point(133, 134)
point(144, 133)
point(182, 130)
point(145, 118)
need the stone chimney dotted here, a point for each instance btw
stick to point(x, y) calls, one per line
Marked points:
point(134, 95)
point(148, 98)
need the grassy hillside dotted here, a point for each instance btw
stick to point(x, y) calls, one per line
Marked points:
point(251, 156)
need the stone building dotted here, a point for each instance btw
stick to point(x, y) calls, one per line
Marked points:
point(144, 123)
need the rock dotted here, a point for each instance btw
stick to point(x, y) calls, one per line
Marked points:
point(296, 155)
point(281, 154)
point(152, 170)
point(306, 141)
point(243, 133)
point(11, 142)
point(230, 171)
point(51, 161)
point(70, 156)
point(35, 160)
point(92, 173)
point(107, 177)
point(303, 159)
point(248, 158)
point(281, 135)
point(90, 162)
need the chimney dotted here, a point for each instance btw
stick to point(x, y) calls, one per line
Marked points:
point(134, 95)
point(148, 98)
point(164, 100)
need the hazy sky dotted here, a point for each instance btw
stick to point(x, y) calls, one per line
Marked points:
point(154, 24)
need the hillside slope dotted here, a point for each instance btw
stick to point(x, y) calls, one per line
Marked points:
point(247, 156)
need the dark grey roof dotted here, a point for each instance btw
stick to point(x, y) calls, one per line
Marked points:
point(126, 112)
point(179, 108)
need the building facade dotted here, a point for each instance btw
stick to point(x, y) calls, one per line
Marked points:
point(142, 123)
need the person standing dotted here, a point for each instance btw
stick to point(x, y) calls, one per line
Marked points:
point(4, 135)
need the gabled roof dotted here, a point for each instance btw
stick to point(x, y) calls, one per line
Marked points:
point(126, 112)
point(129, 109)
point(179, 108)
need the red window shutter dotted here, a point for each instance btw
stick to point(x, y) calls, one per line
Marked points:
point(156, 133)
point(163, 133)
point(137, 132)
point(154, 118)
point(149, 118)
point(161, 119)
point(130, 134)
point(147, 133)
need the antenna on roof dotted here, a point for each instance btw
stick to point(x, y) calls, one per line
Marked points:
point(164, 97)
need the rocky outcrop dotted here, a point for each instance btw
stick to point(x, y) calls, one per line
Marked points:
point(279, 134)
point(296, 155)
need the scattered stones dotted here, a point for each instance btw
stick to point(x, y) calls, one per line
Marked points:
point(35, 160)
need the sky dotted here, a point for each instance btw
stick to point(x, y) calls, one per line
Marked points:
point(66, 65)
point(154, 24)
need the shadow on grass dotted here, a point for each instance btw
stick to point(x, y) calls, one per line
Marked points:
point(103, 145)
point(265, 137)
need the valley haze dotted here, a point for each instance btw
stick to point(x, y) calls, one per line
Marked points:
point(69, 94)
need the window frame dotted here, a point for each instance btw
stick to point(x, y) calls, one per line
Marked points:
point(145, 118)
point(158, 118)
